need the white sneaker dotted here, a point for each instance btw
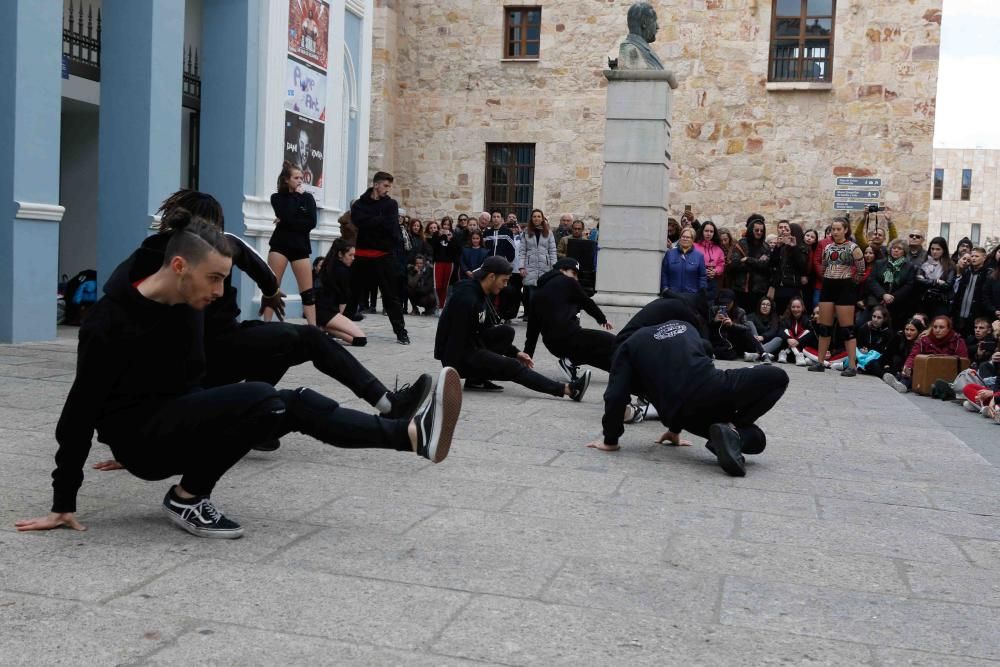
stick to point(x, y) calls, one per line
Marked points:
point(970, 406)
point(891, 380)
point(750, 356)
point(800, 360)
point(782, 358)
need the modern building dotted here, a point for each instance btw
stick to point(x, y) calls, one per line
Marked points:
point(108, 107)
point(500, 103)
point(965, 199)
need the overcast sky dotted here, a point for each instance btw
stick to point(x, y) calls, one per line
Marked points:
point(969, 76)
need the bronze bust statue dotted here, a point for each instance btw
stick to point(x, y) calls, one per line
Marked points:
point(634, 52)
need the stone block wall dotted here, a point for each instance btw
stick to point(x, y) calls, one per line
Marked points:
point(738, 146)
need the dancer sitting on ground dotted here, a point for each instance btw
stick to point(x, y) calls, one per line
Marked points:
point(796, 332)
point(471, 339)
point(668, 364)
point(263, 351)
point(555, 314)
point(334, 290)
point(843, 265)
point(942, 339)
point(139, 365)
point(765, 326)
point(296, 217)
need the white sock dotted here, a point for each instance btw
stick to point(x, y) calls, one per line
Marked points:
point(384, 404)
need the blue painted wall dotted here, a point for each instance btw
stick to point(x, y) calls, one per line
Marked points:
point(352, 39)
point(30, 107)
point(140, 121)
point(229, 91)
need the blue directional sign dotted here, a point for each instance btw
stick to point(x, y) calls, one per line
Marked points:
point(856, 194)
point(849, 205)
point(860, 182)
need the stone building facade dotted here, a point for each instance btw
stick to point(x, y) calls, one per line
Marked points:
point(965, 200)
point(442, 91)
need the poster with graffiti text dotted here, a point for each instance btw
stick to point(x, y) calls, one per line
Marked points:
point(309, 31)
point(305, 89)
point(304, 149)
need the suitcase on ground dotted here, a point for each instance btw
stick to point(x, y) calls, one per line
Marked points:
point(930, 367)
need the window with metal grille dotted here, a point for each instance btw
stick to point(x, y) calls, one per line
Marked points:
point(510, 178)
point(522, 28)
point(938, 183)
point(966, 184)
point(802, 40)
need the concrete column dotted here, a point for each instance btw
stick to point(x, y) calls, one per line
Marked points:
point(30, 108)
point(229, 108)
point(636, 186)
point(140, 132)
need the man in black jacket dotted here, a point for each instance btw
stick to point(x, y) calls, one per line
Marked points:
point(379, 244)
point(471, 339)
point(501, 239)
point(969, 302)
point(555, 314)
point(263, 351)
point(667, 363)
point(139, 367)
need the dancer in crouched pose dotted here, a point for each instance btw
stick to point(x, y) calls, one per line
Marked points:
point(139, 365)
point(668, 364)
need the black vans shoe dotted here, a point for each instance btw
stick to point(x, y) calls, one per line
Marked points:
point(403, 338)
point(267, 445)
point(438, 415)
point(578, 387)
point(482, 385)
point(724, 442)
point(407, 399)
point(568, 368)
point(200, 517)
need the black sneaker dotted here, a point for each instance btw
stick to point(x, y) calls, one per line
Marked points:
point(569, 369)
point(816, 367)
point(200, 517)
point(849, 372)
point(724, 442)
point(407, 399)
point(578, 387)
point(438, 415)
point(483, 385)
point(403, 338)
point(356, 317)
point(267, 445)
point(636, 415)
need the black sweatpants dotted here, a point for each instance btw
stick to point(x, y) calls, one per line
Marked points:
point(491, 364)
point(586, 347)
point(741, 396)
point(381, 272)
point(509, 299)
point(203, 434)
point(264, 351)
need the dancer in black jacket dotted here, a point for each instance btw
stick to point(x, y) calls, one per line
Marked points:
point(668, 364)
point(264, 351)
point(555, 314)
point(139, 366)
point(471, 339)
point(295, 210)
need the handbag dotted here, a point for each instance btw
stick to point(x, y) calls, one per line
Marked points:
point(965, 378)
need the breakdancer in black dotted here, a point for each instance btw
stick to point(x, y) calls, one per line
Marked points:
point(555, 314)
point(263, 351)
point(668, 364)
point(139, 366)
point(471, 339)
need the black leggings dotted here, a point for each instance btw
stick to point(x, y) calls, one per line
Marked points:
point(491, 363)
point(264, 351)
point(203, 434)
point(367, 273)
point(741, 396)
point(586, 347)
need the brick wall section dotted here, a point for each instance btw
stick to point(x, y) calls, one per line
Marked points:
point(738, 147)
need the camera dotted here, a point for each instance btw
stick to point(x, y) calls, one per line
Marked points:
point(874, 208)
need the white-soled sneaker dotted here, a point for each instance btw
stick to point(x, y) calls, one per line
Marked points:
point(436, 418)
point(970, 406)
point(200, 517)
point(568, 368)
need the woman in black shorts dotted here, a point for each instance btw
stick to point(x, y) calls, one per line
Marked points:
point(295, 210)
point(843, 265)
point(334, 291)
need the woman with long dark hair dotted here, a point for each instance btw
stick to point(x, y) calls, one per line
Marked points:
point(334, 288)
point(708, 243)
point(843, 266)
point(295, 212)
point(936, 278)
point(539, 253)
point(789, 261)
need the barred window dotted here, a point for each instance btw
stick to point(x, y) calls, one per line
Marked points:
point(802, 40)
point(510, 178)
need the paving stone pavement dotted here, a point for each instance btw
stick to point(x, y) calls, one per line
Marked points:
point(864, 535)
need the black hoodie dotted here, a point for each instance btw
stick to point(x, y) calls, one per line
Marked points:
point(466, 316)
point(133, 355)
point(556, 303)
point(221, 316)
point(690, 308)
point(377, 221)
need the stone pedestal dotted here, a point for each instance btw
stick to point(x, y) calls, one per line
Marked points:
point(636, 186)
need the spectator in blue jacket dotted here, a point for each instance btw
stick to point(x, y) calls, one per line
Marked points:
point(683, 267)
point(473, 255)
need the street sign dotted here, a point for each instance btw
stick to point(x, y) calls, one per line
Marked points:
point(849, 205)
point(860, 182)
point(856, 194)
